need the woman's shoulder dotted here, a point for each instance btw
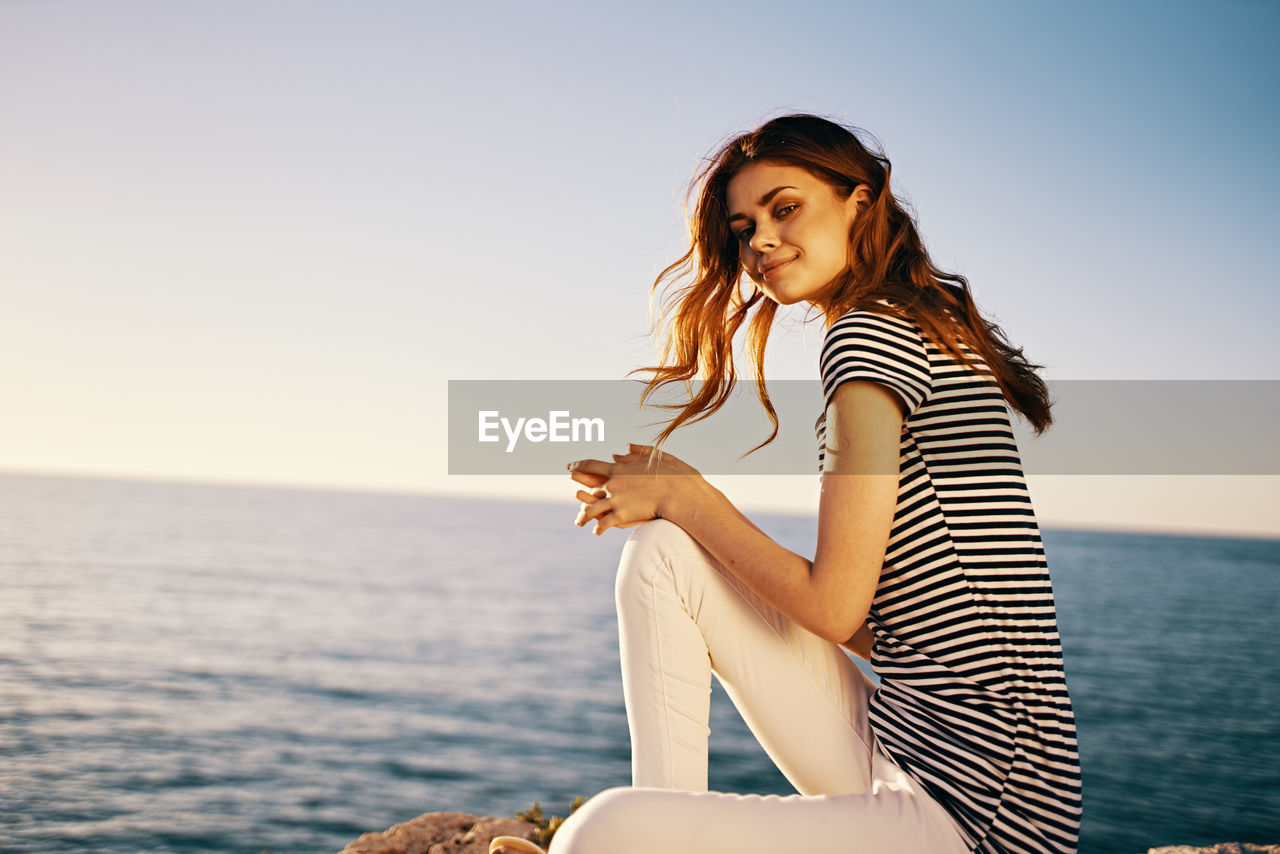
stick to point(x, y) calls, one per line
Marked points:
point(881, 346)
point(883, 319)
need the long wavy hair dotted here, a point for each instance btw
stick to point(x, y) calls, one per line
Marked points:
point(887, 261)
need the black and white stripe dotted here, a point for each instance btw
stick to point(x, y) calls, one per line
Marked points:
point(973, 700)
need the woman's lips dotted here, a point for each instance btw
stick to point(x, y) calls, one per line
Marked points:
point(774, 267)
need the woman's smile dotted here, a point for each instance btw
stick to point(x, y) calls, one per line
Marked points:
point(774, 267)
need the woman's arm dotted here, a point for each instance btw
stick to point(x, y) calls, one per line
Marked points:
point(830, 595)
point(860, 643)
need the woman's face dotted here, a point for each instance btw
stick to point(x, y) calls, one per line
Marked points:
point(792, 230)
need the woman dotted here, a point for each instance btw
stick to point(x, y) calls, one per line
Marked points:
point(929, 561)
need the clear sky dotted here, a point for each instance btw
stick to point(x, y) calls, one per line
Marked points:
point(253, 241)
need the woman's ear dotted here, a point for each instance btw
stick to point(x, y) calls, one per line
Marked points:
point(861, 196)
point(858, 201)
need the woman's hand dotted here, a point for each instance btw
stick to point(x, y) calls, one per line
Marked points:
point(631, 490)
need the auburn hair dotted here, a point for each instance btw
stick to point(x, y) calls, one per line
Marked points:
point(887, 261)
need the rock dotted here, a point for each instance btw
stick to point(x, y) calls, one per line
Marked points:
point(440, 833)
point(1220, 848)
point(460, 833)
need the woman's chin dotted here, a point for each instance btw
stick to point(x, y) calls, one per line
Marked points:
point(791, 296)
point(783, 295)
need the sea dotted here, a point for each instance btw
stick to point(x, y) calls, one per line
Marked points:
point(218, 668)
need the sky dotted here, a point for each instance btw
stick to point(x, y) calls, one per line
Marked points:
point(253, 242)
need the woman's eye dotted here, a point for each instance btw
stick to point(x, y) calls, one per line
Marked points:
point(745, 233)
point(784, 211)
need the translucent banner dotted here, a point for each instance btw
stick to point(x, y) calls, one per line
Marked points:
point(1177, 427)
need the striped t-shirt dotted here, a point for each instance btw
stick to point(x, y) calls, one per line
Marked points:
point(972, 700)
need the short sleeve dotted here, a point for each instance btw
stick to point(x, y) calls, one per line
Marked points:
point(864, 345)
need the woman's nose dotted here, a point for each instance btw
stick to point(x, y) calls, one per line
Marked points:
point(763, 239)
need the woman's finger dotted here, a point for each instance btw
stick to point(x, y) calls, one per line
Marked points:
point(594, 510)
point(589, 500)
point(591, 480)
point(590, 473)
point(589, 467)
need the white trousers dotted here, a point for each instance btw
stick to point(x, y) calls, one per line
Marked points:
point(681, 617)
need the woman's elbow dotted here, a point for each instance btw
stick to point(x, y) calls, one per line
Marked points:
point(843, 588)
point(842, 601)
point(839, 627)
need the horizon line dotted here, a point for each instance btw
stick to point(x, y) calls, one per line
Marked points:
point(427, 492)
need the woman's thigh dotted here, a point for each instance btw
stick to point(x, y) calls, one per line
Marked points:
point(893, 816)
point(803, 697)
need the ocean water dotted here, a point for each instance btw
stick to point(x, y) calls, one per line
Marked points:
point(215, 668)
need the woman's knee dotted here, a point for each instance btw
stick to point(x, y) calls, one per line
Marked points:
point(649, 551)
point(656, 534)
point(604, 824)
